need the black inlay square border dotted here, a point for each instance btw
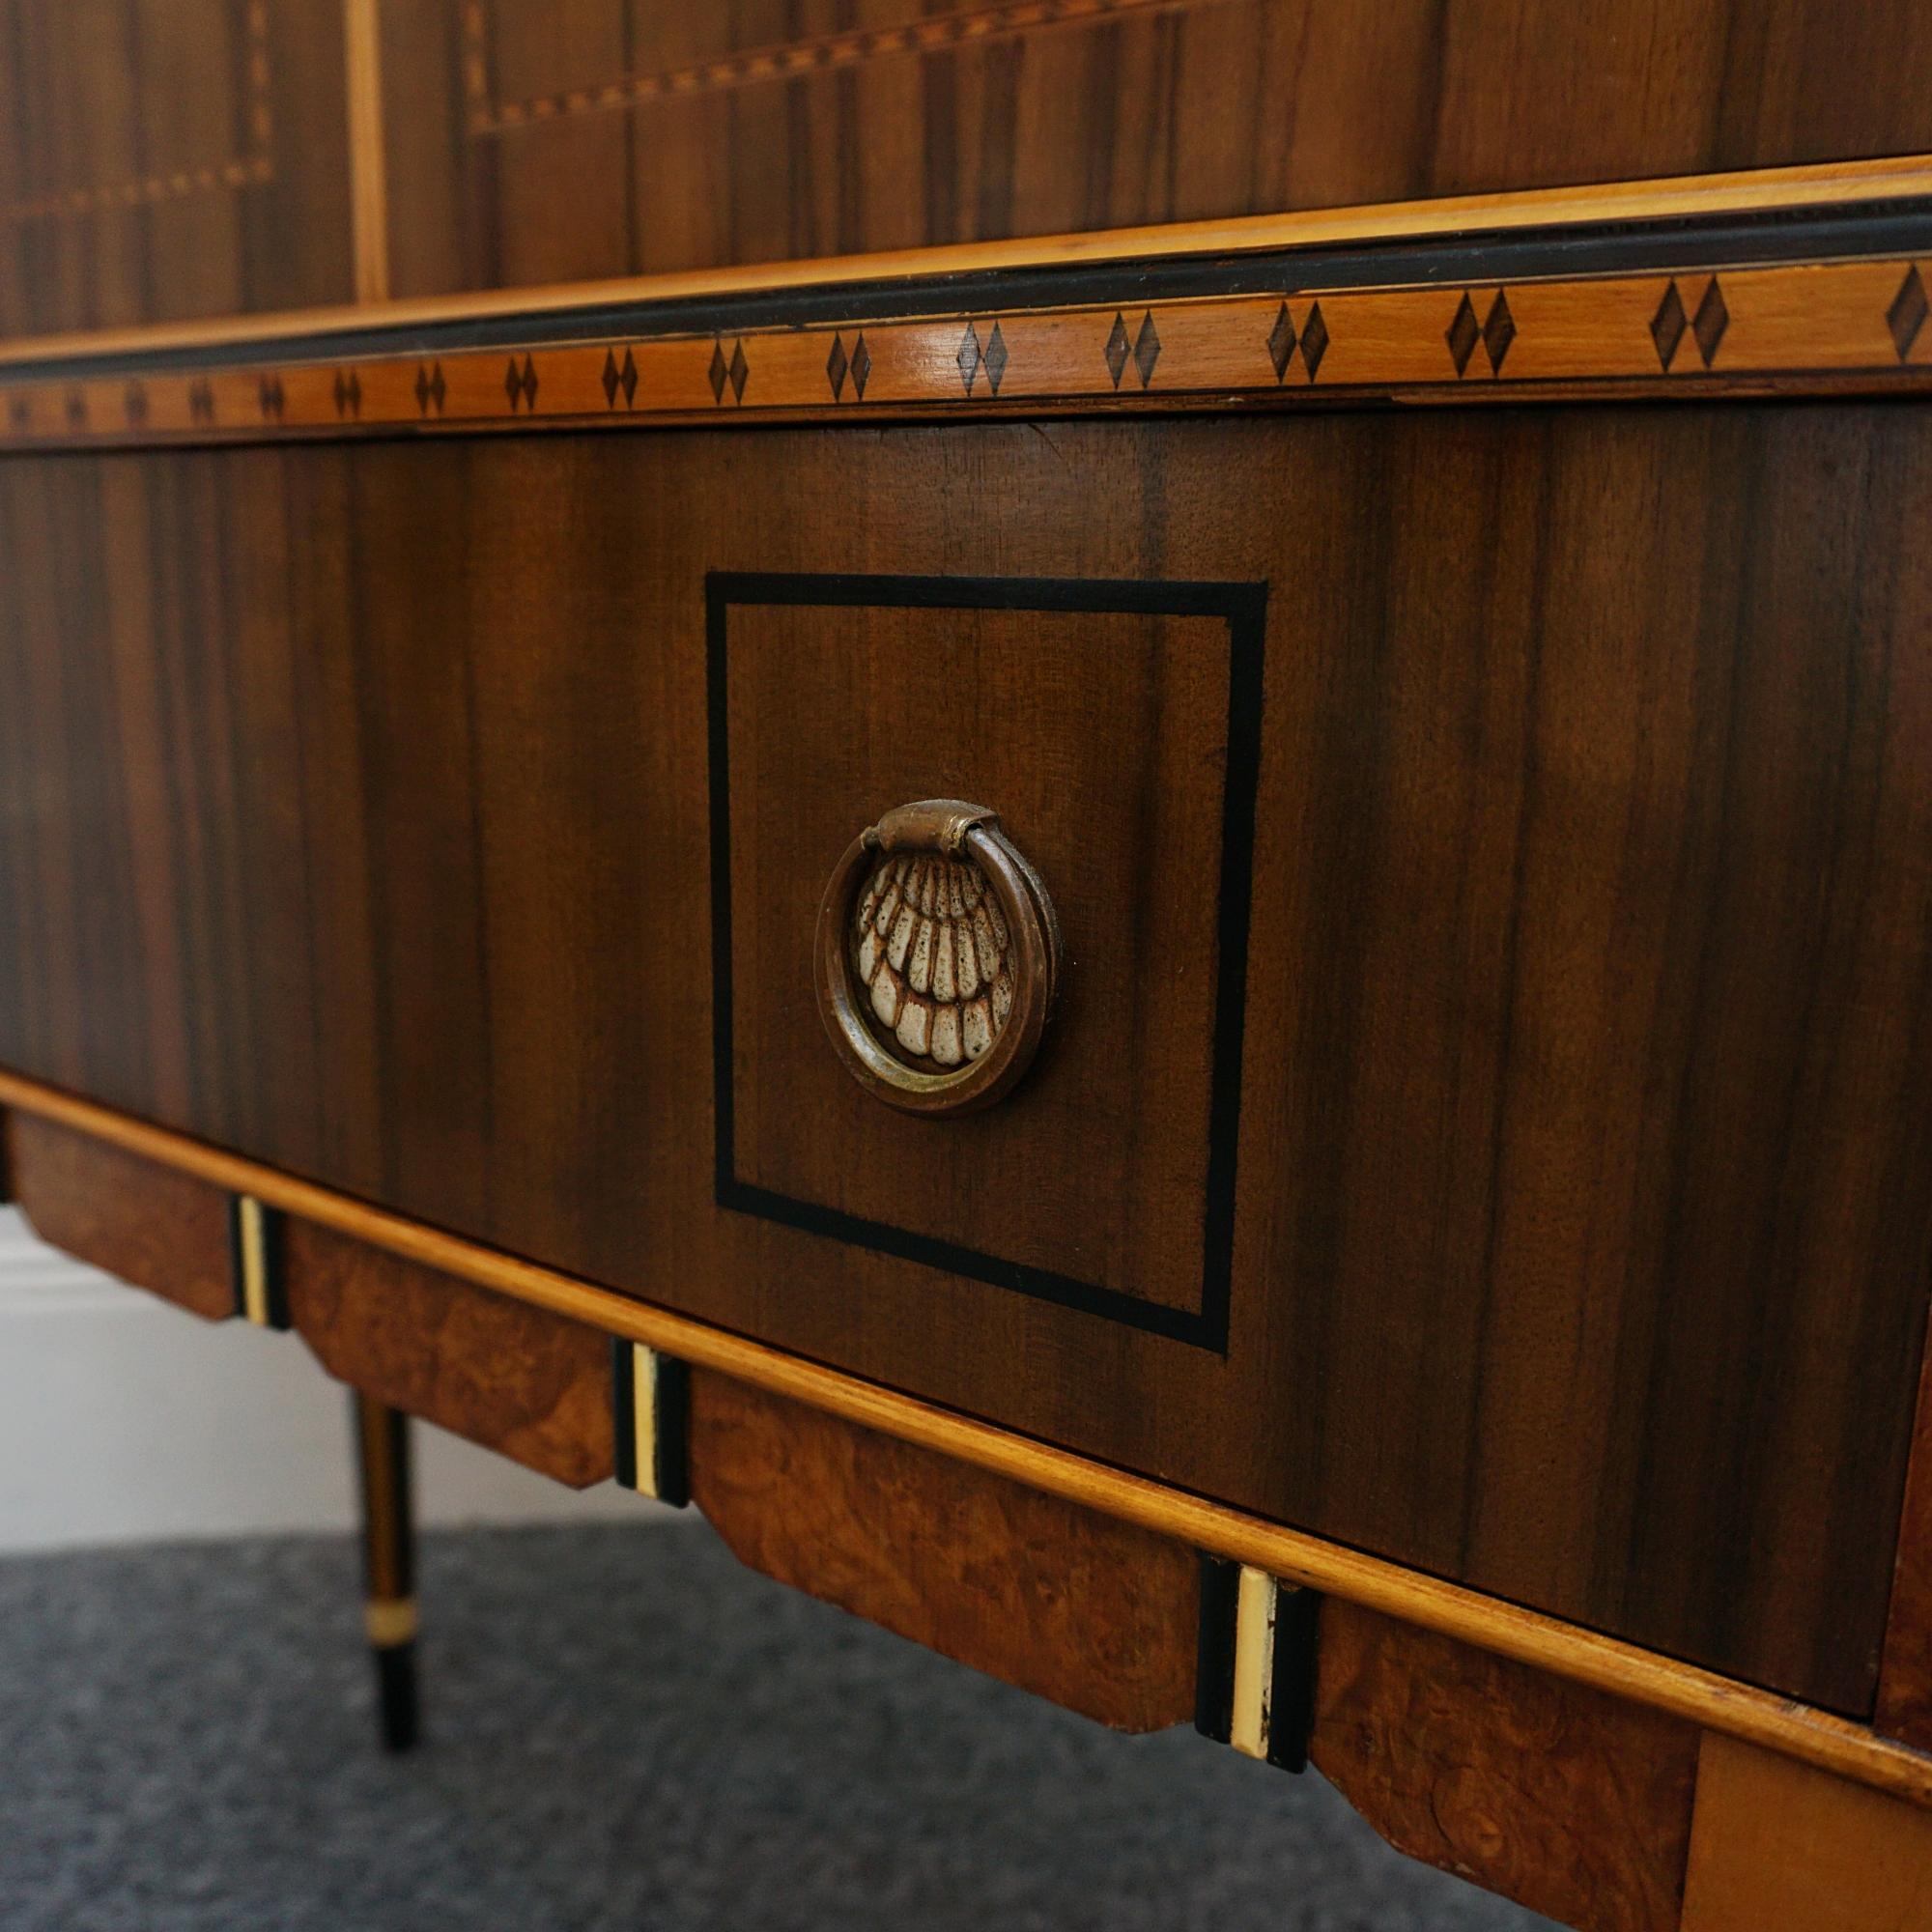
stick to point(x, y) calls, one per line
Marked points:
point(1243, 608)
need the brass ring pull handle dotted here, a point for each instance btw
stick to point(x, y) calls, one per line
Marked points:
point(937, 959)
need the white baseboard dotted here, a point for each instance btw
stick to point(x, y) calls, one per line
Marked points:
point(125, 1420)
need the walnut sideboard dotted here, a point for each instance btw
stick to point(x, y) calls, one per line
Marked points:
point(1120, 811)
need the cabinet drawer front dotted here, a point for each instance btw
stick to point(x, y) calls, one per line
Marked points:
point(1487, 1116)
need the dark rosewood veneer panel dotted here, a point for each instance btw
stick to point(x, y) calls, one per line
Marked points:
point(355, 812)
point(555, 140)
point(170, 158)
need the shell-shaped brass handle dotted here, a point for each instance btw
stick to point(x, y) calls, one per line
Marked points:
point(938, 958)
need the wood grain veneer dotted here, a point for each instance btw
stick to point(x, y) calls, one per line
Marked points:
point(1840, 188)
point(1805, 1734)
point(1582, 1154)
point(1774, 1843)
point(1097, 1615)
point(1905, 1678)
point(150, 1225)
point(1573, 1803)
point(550, 142)
point(517, 1379)
point(169, 158)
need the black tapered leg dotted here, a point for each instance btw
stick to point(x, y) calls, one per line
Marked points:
point(389, 1564)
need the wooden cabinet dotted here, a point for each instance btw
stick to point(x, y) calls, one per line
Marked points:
point(1479, 1126)
point(174, 159)
point(1450, 683)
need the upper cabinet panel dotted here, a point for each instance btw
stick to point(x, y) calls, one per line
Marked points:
point(166, 159)
point(535, 141)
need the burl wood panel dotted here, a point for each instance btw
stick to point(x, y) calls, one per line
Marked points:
point(1096, 1616)
point(1572, 1802)
point(354, 808)
point(159, 1230)
point(547, 142)
point(517, 1379)
point(1778, 1844)
point(1905, 1676)
point(169, 158)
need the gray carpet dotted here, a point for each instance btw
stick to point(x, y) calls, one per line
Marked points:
point(626, 1731)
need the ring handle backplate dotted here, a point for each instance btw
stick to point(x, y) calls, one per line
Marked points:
point(938, 958)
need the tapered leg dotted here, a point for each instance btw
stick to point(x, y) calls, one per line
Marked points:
point(389, 1563)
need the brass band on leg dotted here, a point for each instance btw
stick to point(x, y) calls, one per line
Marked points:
point(390, 1621)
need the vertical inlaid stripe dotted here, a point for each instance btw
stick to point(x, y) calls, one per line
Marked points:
point(1255, 1681)
point(1253, 1662)
point(644, 1419)
point(1215, 1659)
point(254, 1295)
point(255, 1258)
point(368, 174)
point(650, 1408)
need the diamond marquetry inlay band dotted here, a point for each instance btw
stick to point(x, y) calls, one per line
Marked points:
point(1706, 325)
point(1494, 332)
point(1863, 321)
point(1906, 316)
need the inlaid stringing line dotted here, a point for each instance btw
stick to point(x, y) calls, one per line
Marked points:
point(252, 1251)
point(368, 191)
point(644, 1418)
point(249, 170)
point(788, 60)
point(1253, 1662)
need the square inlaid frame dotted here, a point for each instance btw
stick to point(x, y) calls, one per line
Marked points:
point(1241, 606)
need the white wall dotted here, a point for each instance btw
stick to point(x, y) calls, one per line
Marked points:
point(123, 1419)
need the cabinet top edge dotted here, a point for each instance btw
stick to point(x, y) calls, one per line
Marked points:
point(1648, 214)
point(1787, 283)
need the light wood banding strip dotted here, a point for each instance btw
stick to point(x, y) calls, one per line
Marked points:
point(1774, 1844)
point(368, 186)
point(1720, 1704)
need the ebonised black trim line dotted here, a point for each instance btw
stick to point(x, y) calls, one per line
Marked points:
point(624, 1411)
point(1243, 608)
point(1214, 1652)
